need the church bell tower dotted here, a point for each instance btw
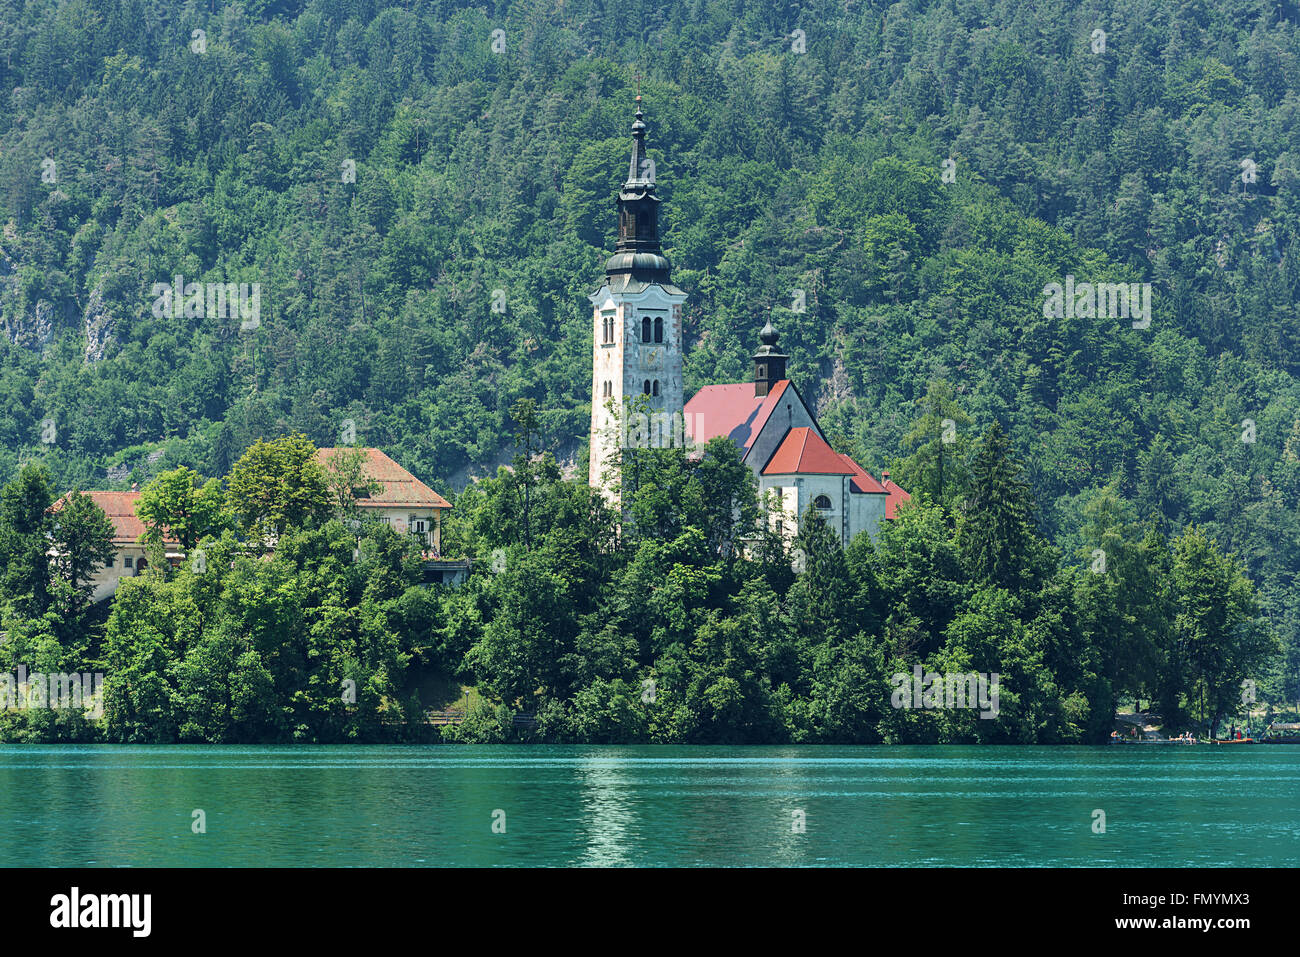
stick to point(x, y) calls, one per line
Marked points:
point(636, 395)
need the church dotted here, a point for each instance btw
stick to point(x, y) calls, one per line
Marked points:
point(638, 397)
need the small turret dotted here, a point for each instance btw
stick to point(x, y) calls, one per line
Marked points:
point(769, 363)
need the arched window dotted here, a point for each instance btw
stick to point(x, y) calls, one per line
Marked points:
point(645, 328)
point(646, 387)
point(822, 502)
point(654, 387)
point(609, 389)
point(659, 329)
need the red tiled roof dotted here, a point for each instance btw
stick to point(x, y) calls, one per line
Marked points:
point(804, 451)
point(120, 509)
point(862, 479)
point(896, 496)
point(401, 489)
point(731, 410)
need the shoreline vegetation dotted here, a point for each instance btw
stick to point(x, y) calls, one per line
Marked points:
point(685, 622)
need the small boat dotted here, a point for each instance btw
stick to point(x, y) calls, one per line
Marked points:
point(1282, 734)
point(1237, 741)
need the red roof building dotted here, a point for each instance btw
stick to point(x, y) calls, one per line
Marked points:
point(401, 500)
point(130, 559)
point(637, 352)
point(120, 509)
point(803, 451)
point(399, 488)
point(780, 440)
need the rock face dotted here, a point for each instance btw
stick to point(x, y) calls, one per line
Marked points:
point(99, 326)
point(35, 332)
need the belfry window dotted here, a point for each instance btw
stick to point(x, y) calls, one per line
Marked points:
point(645, 328)
point(654, 387)
point(659, 329)
point(646, 389)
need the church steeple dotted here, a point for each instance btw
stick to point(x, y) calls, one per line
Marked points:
point(638, 256)
point(769, 363)
point(636, 363)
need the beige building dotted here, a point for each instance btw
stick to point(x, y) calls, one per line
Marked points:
point(402, 501)
point(408, 506)
point(130, 559)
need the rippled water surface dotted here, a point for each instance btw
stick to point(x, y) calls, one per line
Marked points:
point(649, 806)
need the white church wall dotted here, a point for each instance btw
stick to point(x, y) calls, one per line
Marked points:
point(866, 512)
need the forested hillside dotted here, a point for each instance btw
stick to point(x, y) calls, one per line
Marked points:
point(382, 170)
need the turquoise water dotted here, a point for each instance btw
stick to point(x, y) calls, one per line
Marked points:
point(649, 806)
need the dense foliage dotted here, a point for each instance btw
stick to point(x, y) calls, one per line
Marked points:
point(686, 621)
point(128, 157)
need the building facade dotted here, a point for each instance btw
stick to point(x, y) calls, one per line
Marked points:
point(780, 440)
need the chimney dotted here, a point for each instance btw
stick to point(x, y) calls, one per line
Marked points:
point(884, 478)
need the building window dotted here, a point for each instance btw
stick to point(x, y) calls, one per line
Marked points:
point(608, 389)
point(127, 561)
point(659, 329)
point(646, 387)
point(822, 502)
point(654, 387)
point(645, 328)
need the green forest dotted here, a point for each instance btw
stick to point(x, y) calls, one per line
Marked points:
point(424, 193)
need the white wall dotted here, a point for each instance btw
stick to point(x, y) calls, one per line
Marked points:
point(627, 362)
point(106, 579)
point(400, 519)
point(866, 513)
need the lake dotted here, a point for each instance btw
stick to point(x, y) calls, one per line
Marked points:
point(345, 806)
